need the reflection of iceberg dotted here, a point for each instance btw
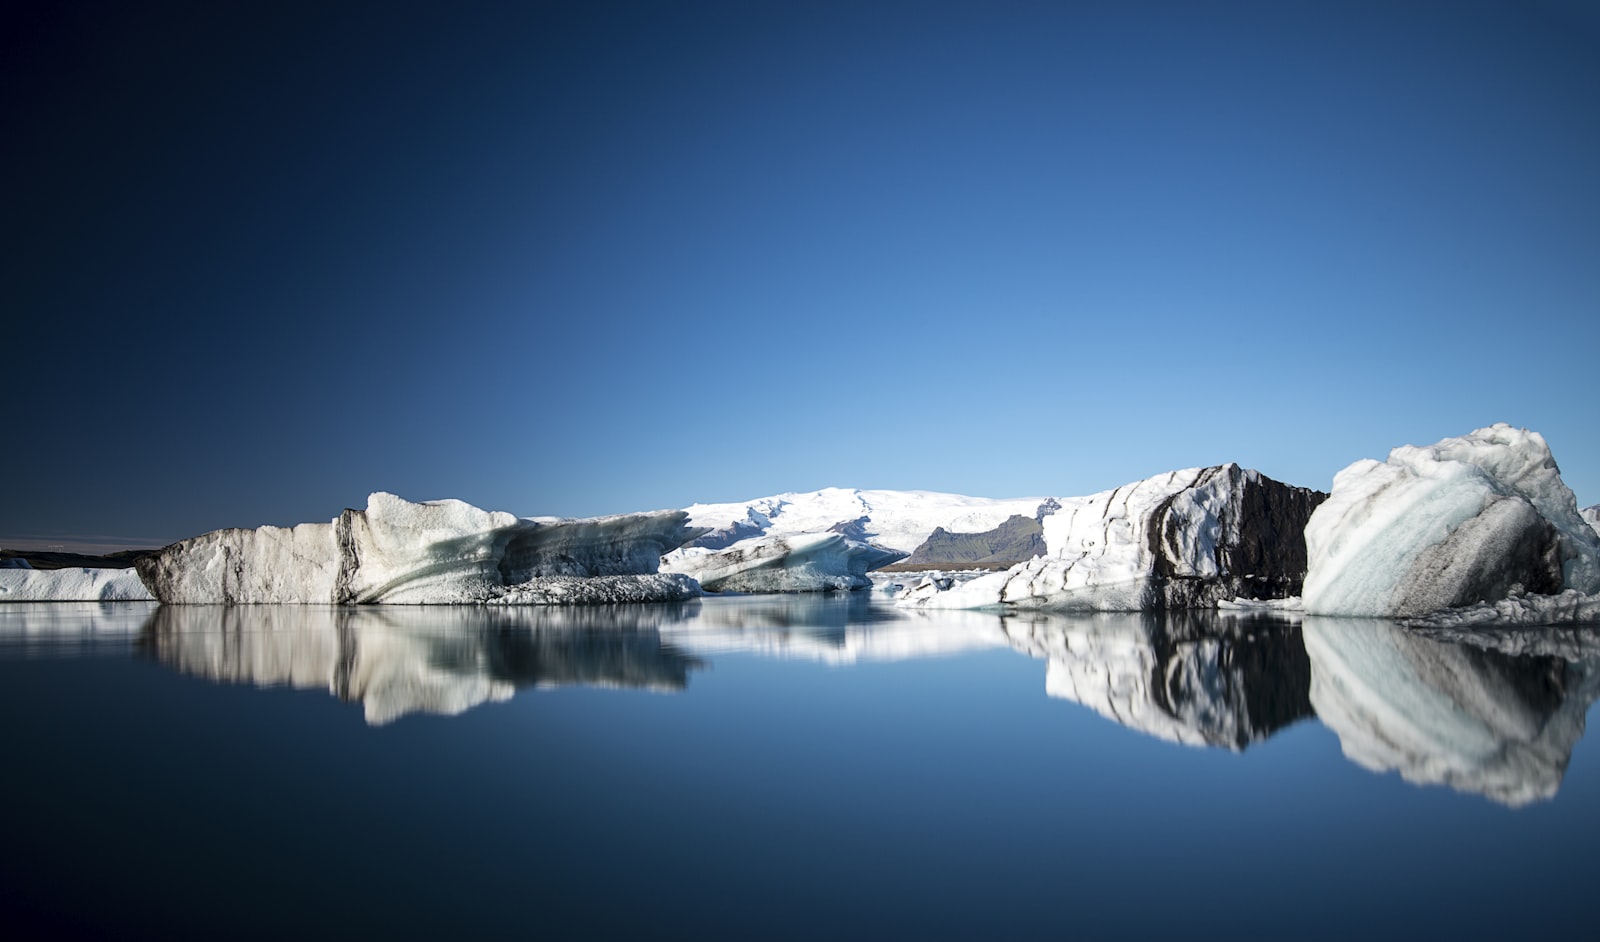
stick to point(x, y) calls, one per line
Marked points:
point(433, 660)
point(836, 629)
point(1195, 679)
point(1440, 713)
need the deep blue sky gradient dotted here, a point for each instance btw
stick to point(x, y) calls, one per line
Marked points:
point(587, 258)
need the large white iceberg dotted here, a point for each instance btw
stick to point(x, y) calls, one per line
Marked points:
point(803, 562)
point(399, 552)
point(71, 585)
point(1448, 714)
point(1185, 539)
point(1464, 521)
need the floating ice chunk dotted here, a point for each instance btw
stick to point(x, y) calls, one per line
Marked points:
point(396, 551)
point(72, 585)
point(804, 562)
point(1186, 539)
point(1451, 524)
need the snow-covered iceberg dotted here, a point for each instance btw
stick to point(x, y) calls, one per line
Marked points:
point(1185, 539)
point(804, 562)
point(1453, 524)
point(1448, 714)
point(438, 552)
point(398, 660)
point(1211, 681)
point(72, 585)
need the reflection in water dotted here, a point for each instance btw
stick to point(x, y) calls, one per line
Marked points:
point(835, 628)
point(1445, 713)
point(1193, 678)
point(397, 660)
point(1495, 714)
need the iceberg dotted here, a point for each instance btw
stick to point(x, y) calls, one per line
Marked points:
point(1439, 713)
point(1453, 524)
point(71, 585)
point(1592, 515)
point(1185, 539)
point(438, 552)
point(804, 562)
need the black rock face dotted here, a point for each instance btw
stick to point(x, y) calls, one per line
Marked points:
point(1262, 552)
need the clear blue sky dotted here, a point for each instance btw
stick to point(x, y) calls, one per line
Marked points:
point(584, 258)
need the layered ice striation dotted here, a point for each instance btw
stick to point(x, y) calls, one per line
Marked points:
point(1440, 713)
point(803, 562)
point(438, 552)
point(1469, 520)
point(1219, 682)
point(18, 584)
point(1185, 539)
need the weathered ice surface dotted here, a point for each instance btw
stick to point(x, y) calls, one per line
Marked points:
point(400, 552)
point(805, 562)
point(71, 585)
point(1019, 538)
point(1448, 714)
point(1214, 682)
point(1592, 516)
point(1463, 521)
point(595, 590)
point(396, 660)
point(1186, 539)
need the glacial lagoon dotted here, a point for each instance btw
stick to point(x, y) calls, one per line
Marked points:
point(787, 767)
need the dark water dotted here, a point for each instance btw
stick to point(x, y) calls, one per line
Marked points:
point(786, 767)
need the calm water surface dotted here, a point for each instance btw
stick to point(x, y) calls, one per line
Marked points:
point(799, 767)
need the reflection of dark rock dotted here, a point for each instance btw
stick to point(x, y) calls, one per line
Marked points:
point(436, 660)
point(1475, 719)
point(1017, 539)
point(1193, 678)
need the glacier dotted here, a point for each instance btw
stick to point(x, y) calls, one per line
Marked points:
point(1467, 520)
point(803, 562)
point(71, 585)
point(1440, 713)
point(830, 538)
point(436, 552)
point(1185, 539)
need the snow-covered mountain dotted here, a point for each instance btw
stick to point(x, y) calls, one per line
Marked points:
point(897, 520)
point(830, 539)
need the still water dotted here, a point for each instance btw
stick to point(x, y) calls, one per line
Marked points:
point(791, 767)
